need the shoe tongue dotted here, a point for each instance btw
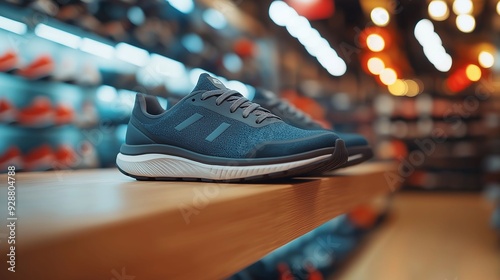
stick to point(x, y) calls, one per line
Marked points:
point(207, 82)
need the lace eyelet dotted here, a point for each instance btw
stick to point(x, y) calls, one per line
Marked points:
point(193, 100)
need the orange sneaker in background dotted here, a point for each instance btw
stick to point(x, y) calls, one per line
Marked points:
point(39, 159)
point(8, 61)
point(12, 156)
point(7, 111)
point(64, 114)
point(38, 114)
point(41, 67)
point(66, 157)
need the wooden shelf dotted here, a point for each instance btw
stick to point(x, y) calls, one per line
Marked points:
point(97, 224)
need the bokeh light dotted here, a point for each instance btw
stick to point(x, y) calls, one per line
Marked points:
point(461, 7)
point(380, 16)
point(375, 42)
point(388, 76)
point(375, 65)
point(486, 59)
point(398, 88)
point(466, 23)
point(438, 10)
point(473, 72)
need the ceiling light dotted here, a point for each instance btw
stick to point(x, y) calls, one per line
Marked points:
point(413, 88)
point(183, 6)
point(375, 42)
point(13, 26)
point(388, 76)
point(466, 23)
point(375, 65)
point(461, 7)
point(132, 54)
point(380, 16)
point(473, 72)
point(281, 13)
point(438, 10)
point(214, 18)
point(398, 88)
point(432, 45)
point(57, 35)
point(300, 28)
point(486, 59)
point(97, 48)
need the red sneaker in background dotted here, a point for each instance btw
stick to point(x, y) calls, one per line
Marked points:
point(7, 111)
point(38, 114)
point(41, 67)
point(8, 61)
point(39, 159)
point(66, 157)
point(12, 156)
point(64, 114)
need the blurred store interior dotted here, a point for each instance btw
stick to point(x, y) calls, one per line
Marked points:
point(419, 79)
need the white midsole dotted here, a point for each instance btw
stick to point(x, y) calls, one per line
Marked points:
point(354, 157)
point(161, 165)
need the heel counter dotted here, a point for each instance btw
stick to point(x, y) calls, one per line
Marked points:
point(135, 135)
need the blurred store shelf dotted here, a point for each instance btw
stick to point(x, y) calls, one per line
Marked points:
point(87, 224)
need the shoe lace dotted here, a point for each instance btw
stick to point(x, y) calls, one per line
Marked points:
point(239, 101)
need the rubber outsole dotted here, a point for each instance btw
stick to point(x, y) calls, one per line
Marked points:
point(361, 154)
point(337, 158)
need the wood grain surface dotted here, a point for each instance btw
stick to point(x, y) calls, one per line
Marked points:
point(99, 224)
point(432, 236)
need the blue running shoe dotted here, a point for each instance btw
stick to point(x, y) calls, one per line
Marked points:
point(215, 134)
point(357, 146)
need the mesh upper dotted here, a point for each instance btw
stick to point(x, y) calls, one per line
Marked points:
point(240, 140)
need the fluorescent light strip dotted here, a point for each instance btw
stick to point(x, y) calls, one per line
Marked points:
point(97, 48)
point(183, 6)
point(432, 45)
point(13, 26)
point(300, 28)
point(132, 54)
point(167, 67)
point(57, 35)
